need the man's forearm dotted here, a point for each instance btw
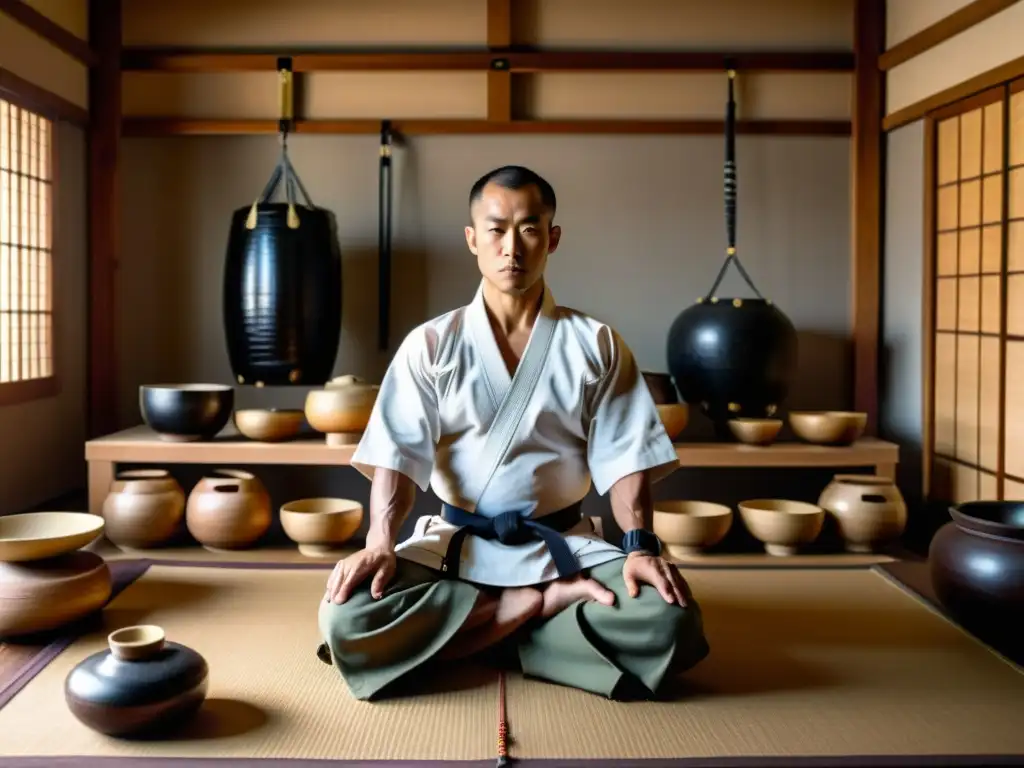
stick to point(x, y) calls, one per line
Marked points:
point(391, 498)
point(632, 505)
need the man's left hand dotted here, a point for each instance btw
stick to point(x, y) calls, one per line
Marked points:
point(641, 567)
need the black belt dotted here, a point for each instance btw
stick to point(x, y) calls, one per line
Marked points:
point(513, 528)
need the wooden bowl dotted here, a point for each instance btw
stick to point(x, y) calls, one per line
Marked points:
point(755, 431)
point(321, 526)
point(687, 527)
point(674, 417)
point(828, 427)
point(186, 412)
point(341, 410)
point(661, 387)
point(269, 425)
point(38, 535)
point(44, 595)
point(782, 525)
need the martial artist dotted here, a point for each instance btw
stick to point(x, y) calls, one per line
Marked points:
point(509, 408)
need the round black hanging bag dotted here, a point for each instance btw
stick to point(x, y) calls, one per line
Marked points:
point(734, 357)
point(282, 288)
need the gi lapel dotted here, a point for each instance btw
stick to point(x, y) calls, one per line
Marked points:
point(516, 398)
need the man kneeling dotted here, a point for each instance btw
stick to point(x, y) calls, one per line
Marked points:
point(509, 408)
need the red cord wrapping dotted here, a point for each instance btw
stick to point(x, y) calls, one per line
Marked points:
point(502, 722)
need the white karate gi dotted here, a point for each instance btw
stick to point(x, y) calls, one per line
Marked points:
point(586, 416)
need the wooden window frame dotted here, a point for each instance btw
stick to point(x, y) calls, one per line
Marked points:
point(932, 486)
point(40, 388)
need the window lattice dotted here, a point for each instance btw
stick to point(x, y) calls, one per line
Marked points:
point(26, 291)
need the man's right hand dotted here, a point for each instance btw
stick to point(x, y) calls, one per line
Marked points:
point(354, 569)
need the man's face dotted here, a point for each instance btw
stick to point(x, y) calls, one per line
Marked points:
point(511, 237)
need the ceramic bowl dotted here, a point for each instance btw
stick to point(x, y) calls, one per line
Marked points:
point(828, 427)
point(341, 410)
point(38, 535)
point(185, 412)
point(687, 527)
point(755, 431)
point(674, 418)
point(782, 526)
point(321, 526)
point(269, 425)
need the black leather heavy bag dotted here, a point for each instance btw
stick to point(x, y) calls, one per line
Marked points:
point(282, 288)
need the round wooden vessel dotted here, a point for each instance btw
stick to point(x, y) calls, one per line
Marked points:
point(688, 527)
point(320, 526)
point(43, 595)
point(869, 510)
point(755, 431)
point(342, 409)
point(145, 508)
point(782, 525)
point(269, 425)
point(38, 535)
point(229, 509)
point(828, 427)
point(142, 684)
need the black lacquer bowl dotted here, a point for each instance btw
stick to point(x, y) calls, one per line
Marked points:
point(977, 569)
point(184, 412)
point(141, 686)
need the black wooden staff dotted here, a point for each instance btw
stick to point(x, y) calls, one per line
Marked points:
point(384, 236)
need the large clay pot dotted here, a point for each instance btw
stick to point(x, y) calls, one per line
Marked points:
point(145, 508)
point(43, 595)
point(141, 685)
point(342, 409)
point(282, 288)
point(734, 357)
point(868, 509)
point(229, 509)
point(977, 568)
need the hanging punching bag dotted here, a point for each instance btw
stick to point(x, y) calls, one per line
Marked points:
point(734, 357)
point(282, 284)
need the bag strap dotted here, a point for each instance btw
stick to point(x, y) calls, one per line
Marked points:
point(283, 169)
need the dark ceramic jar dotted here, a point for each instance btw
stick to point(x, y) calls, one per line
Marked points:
point(977, 569)
point(141, 685)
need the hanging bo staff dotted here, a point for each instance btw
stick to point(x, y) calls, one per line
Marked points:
point(282, 277)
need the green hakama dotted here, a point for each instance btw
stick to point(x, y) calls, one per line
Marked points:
point(625, 650)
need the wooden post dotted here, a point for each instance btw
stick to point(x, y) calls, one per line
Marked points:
point(499, 81)
point(867, 210)
point(104, 208)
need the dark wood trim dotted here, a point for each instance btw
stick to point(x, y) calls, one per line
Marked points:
point(515, 60)
point(20, 91)
point(928, 286)
point(104, 214)
point(868, 213)
point(49, 30)
point(977, 101)
point(994, 77)
point(499, 81)
point(18, 392)
point(171, 126)
point(944, 29)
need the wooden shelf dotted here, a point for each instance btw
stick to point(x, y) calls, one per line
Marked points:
point(140, 445)
point(514, 60)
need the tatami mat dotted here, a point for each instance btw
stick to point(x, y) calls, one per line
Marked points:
point(804, 662)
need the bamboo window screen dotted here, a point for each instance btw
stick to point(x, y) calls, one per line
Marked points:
point(26, 286)
point(977, 435)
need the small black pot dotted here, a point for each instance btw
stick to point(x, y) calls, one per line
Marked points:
point(141, 686)
point(186, 411)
